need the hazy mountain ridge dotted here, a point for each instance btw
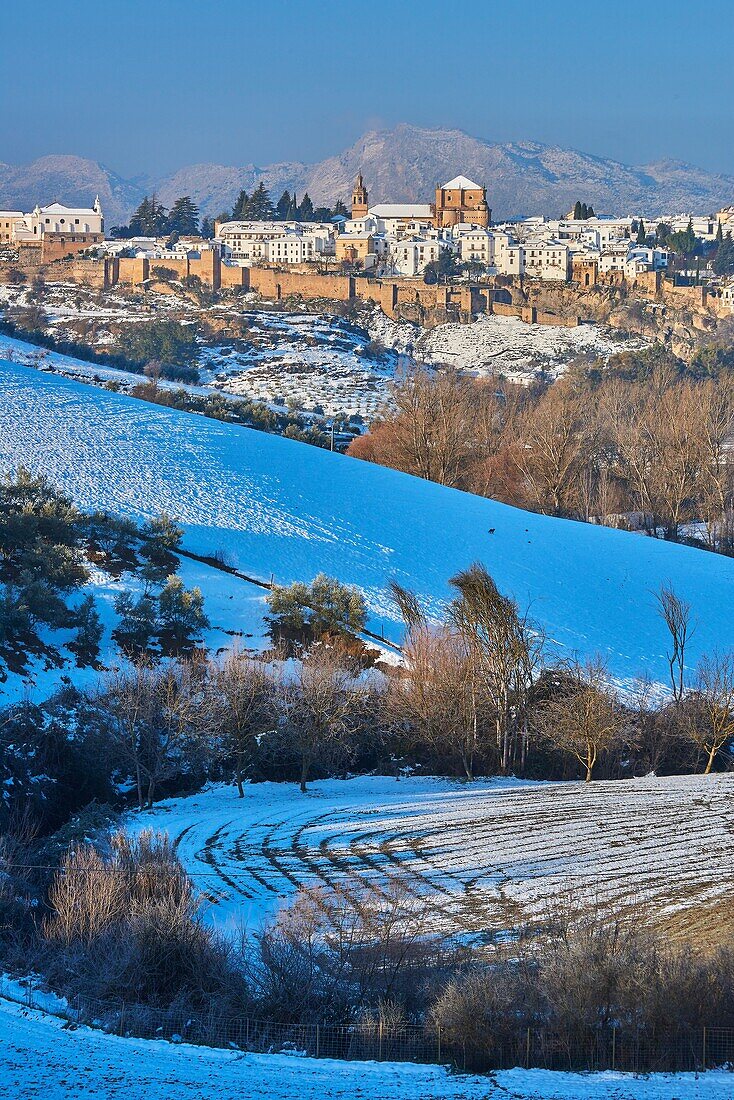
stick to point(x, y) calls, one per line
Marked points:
point(403, 164)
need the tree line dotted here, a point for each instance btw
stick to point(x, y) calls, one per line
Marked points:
point(152, 219)
point(642, 442)
point(260, 207)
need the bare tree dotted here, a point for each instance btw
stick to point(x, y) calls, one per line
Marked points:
point(157, 718)
point(710, 713)
point(676, 614)
point(440, 695)
point(583, 720)
point(242, 707)
point(557, 441)
point(317, 704)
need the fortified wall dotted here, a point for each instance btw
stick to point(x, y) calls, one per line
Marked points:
point(652, 306)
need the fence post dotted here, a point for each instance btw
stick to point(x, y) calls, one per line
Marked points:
point(318, 1040)
point(122, 1019)
point(527, 1050)
point(703, 1051)
point(247, 1032)
point(379, 1049)
point(439, 1045)
point(614, 1046)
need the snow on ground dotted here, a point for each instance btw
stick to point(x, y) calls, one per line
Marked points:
point(502, 345)
point(484, 856)
point(42, 1058)
point(234, 607)
point(277, 507)
point(312, 360)
point(305, 359)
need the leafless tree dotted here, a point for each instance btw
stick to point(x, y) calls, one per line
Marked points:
point(710, 706)
point(157, 718)
point(317, 703)
point(676, 614)
point(241, 698)
point(440, 695)
point(583, 720)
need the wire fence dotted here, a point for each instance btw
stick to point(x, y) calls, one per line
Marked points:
point(609, 1047)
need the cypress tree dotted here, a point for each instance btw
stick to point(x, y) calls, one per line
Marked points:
point(305, 210)
point(260, 208)
point(238, 210)
point(184, 216)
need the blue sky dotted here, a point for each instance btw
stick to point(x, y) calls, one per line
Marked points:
point(146, 86)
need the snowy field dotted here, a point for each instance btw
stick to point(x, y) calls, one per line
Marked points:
point(42, 1059)
point(307, 360)
point(494, 345)
point(482, 857)
point(281, 508)
point(313, 361)
point(228, 600)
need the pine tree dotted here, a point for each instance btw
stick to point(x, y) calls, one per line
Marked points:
point(182, 616)
point(238, 211)
point(89, 633)
point(584, 211)
point(723, 263)
point(590, 212)
point(641, 233)
point(184, 216)
point(138, 622)
point(340, 210)
point(577, 211)
point(207, 228)
point(305, 210)
point(149, 220)
point(259, 207)
point(283, 206)
point(162, 540)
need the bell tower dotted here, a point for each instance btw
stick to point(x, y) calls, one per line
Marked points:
point(359, 199)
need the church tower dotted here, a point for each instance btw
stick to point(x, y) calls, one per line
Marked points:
point(359, 199)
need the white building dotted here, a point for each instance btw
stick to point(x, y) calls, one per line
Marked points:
point(703, 226)
point(402, 219)
point(474, 243)
point(58, 218)
point(547, 260)
point(410, 256)
point(248, 243)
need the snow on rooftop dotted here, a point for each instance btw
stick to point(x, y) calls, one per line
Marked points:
point(461, 183)
point(402, 210)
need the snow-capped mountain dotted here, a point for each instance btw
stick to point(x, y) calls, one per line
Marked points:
point(403, 164)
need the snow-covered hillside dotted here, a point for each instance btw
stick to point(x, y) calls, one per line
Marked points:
point(227, 599)
point(483, 857)
point(314, 362)
point(41, 1057)
point(276, 507)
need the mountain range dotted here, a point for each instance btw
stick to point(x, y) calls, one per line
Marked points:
point(403, 164)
